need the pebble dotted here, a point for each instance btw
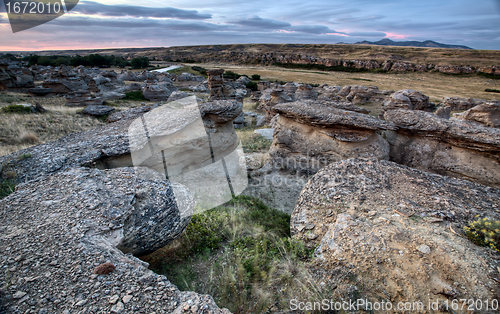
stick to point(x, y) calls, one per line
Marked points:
point(19, 295)
point(424, 249)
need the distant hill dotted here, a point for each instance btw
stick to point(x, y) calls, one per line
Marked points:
point(425, 44)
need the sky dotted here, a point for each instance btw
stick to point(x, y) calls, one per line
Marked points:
point(154, 23)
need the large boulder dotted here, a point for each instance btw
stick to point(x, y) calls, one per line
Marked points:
point(131, 113)
point(408, 99)
point(155, 92)
point(312, 134)
point(305, 91)
point(98, 110)
point(383, 231)
point(82, 99)
point(64, 240)
point(449, 147)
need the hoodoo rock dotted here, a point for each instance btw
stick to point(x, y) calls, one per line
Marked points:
point(408, 99)
point(487, 114)
point(449, 147)
point(312, 134)
point(388, 232)
point(70, 224)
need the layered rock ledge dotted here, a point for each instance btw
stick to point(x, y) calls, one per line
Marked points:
point(57, 230)
point(311, 134)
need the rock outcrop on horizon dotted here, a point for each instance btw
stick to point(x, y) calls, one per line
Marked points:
point(386, 231)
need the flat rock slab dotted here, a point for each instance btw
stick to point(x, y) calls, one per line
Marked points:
point(98, 110)
point(55, 231)
point(391, 232)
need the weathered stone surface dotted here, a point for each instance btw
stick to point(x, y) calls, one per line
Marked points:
point(310, 135)
point(154, 92)
point(39, 91)
point(457, 103)
point(408, 99)
point(455, 69)
point(305, 91)
point(68, 223)
point(82, 99)
point(177, 95)
point(269, 99)
point(98, 110)
point(131, 113)
point(487, 114)
point(357, 212)
point(449, 147)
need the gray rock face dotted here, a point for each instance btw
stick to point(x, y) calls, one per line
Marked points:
point(449, 147)
point(131, 113)
point(154, 92)
point(408, 99)
point(177, 95)
point(68, 223)
point(457, 103)
point(305, 91)
point(311, 134)
point(376, 221)
point(98, 110)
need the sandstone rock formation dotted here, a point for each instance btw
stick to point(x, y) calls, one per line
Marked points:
point(69, 223)
point(312, 134)
point(177, 95)
point(486, 114)
point(155, 92)
point(131, 113)
point(389, 232)
point(408, 99)
point(305, 91)
point(449, 147)
point(82, 99)
point(457, 103)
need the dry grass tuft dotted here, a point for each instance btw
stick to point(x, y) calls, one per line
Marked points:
point(29, 138)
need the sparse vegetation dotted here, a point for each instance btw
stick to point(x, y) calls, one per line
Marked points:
point(16, 109)
point(484, 232)
point(200, 70)
point(251, 141)
point(231, 75)
point(255, 77)
point(242, 254)
point(252, 85)
point(24, 156)
point(7, 187)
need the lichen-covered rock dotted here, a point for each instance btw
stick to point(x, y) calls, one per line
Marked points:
point(156, 92)
point(449, 147)
point(55, 231)
point(177, 95)
point(305, 91)
point(458, 104)
point(131, 113)
point(378, 222)
point(311, 134)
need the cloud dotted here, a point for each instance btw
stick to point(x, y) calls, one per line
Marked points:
point(367, 34)
point(258, 22)
point(312, 29)
point(95, 8)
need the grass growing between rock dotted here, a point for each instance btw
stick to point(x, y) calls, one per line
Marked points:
point(251, 141)
point(242, 254)
point(135, 96)
point(7, 187)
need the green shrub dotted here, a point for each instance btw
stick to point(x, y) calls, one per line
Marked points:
point(135, 96)
point(17, 109)
point(252, 85)
point(255, 77)
point(484, 232)
point(231, 75)
point(200, 70)
point(140, 63)
point(7, 187)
